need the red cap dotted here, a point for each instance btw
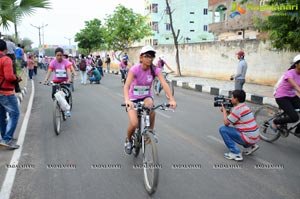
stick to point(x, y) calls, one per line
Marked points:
point(241, 53)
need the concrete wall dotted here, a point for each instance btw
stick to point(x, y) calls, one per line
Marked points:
point(218, 59)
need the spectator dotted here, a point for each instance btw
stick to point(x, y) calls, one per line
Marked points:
point(107, 61)
point(8, 100)
point(240, 76)
point(30, 66)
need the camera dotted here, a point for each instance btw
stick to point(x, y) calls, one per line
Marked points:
point(219, 100)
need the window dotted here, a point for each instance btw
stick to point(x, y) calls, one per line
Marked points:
point(167, 38)
point(155, 26)
point(205, 28)
point(192, 30)
point(192, 13)
point(154, 8)
point(191, 21)
point(168, 27)
point(205, 11)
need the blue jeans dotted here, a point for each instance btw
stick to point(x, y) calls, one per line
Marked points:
point(231, 136)
point(8, 104)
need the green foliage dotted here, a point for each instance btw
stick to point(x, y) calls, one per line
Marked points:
point(283, 26)
point(125, 27)
point(92, 36)
point(14, 10)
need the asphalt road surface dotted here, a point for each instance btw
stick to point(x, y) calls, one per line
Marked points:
point(87, 160)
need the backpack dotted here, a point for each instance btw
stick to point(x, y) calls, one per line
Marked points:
point(82, 65)
point(100, 63)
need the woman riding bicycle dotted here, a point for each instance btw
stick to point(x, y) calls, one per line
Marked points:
point(160, 64)
point(138, 88)
point(62, 71)
point(287, 95)
point(123, 69)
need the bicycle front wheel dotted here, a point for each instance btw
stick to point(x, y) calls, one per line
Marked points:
point(262, 116)
point(56, 117)
point(136, 144)
point(150, 163)
point(171, 87)
point(154, 85)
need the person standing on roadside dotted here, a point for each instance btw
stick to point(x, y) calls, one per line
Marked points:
point(30, 66)
point(107, 61)
point(36, 61)
point(82, 68)
point(11, 47)
point(8, 99)
point(240, 76)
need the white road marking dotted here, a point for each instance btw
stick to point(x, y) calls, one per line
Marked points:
point(253, 157)
point(11, 172)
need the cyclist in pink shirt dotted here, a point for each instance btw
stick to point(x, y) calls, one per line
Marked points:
point(138, 88)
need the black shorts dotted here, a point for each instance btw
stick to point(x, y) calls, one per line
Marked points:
point(142, 99)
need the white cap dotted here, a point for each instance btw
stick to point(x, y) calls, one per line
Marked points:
point(297, 58)
point(89, 56)
point(70, 55)
point(147, 49)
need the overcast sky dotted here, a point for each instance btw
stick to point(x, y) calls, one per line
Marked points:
point(67, 17)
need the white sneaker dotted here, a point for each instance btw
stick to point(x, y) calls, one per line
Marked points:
point(68, 113)
point(251, 149)
point(232, 156)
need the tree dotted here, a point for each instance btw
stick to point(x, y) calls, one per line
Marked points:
point(14, 10)
point(92, 36)
point(175, 37)
point(283, 26)
point(124, 27)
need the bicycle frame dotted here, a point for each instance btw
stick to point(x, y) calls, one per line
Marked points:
point(292, 125)
point(281, 113)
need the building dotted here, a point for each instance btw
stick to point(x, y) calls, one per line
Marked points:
point(191, 17)
point(232, 20)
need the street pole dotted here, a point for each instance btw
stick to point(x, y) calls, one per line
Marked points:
point(69, 43)
point(39, 28)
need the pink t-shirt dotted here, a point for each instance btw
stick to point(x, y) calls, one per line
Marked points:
point(285, 89)
point(30, 64)
point(142, 83)
point(60, 70)
point(123, 66)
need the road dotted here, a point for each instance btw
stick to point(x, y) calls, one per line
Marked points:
point(190, 152)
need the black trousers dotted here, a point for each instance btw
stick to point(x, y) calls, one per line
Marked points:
point(288, 105)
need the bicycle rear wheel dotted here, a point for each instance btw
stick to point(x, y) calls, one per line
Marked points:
point(150, 163)
point(262, 116)
point(171, 87)
point(56, 117)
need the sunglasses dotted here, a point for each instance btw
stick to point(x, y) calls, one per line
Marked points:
point(148, 56)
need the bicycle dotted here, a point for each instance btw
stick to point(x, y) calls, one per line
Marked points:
point(169, 82)
point(58, 113)
point(145, 139)
point(265, 115)
point(124, 73)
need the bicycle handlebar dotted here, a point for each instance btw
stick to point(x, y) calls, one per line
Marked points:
point(54, 83)
point(140, 106)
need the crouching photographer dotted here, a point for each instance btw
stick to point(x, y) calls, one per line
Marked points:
point(244, 130)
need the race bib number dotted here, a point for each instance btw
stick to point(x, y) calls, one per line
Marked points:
point(141, 90)
point(60, 73)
